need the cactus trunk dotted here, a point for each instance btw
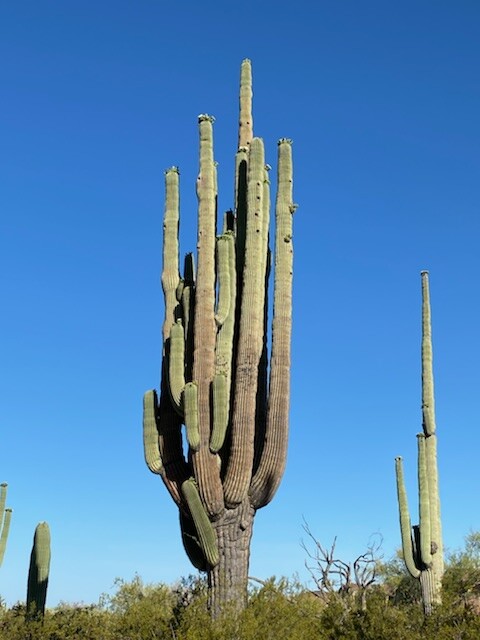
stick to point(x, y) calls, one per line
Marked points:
point(39, 572)
point(216, 379)
point(423, 551)
point(227, 580)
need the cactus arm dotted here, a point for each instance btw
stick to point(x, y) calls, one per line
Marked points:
point(170, 272)
point(424, 504)
point(240, 463)
point(224, 279)
point(176, 361)
point(191, 415)
point(405, 526)
point(151, 447)
point(174, 467)
point(39, 571)
point(5, 519)
point(191, 543)
point(272, 463)
point(245, 130)
point(428, 402)
point(220, 395)
point(204, 462)
point(203, 526)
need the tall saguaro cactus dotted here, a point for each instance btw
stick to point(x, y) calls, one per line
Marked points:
point(216, 377)
point(423, 551)
point(38, 572)
point(5, 517)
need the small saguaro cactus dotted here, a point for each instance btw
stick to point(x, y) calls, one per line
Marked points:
point(38, 572)
point(5, 518)
point(216, 378)
point(423, 551)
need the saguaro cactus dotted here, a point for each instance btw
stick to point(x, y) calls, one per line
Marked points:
point(5, 517)
point(423, 551)
point(215, 374)
point(39, 571)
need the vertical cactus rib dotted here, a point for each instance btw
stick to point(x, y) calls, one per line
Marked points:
point(245, 130)
point(171, 271)
point(272, 463)
point(204, 462)
point(405, 525)
point(5, 519)
point(39, 571)
point(239, 469)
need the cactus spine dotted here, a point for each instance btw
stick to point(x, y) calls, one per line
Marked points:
point(5, 518)
point(38, 572)
point(215, 374)
point(423, 551)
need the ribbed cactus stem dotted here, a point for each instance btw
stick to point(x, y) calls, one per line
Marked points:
point(39, 571)
point(224, 279)
point(250, 343)
point(405, 524)
point(171, 272)
point(150, 433)
point(428, 402)
point(273, 457)
point(190, 396)
point(176, 359)
point(424, 504)
point(204, 462)
point(203, 526)
point(5, 519)
point(245, 133)
point(220, 411)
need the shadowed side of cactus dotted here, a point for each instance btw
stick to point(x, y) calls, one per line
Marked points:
point(39, 572)
point(5, 518)
point(422, 544)
point(217, 379)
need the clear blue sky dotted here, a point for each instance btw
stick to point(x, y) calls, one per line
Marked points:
point(382, 100)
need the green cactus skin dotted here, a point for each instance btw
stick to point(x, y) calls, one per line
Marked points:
point(191, 415)
point(220, 412)
point(423, 554)
point(39, 571)
point(233, 400)
point(176, 371)
point(5, 519)
point(203, 526)
point(150, 433)
point(191, 542)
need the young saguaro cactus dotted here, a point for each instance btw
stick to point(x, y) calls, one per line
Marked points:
point(423, 551)
point(5, 518)
point(38, 572)
point(216, 378)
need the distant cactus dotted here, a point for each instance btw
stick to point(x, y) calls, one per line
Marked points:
point(5, 518)
point(216, 378)
point(39, 572)
point(423, 551)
